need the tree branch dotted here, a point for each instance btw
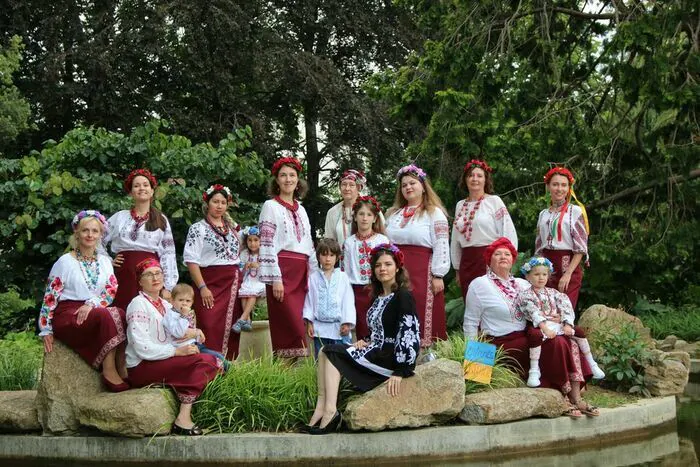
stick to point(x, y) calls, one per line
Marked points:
point(695, 173)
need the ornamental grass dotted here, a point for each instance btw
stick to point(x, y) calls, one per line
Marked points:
point(20, 361)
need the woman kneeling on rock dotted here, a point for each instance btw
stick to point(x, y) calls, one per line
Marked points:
point(152, 357)
point(388, 355)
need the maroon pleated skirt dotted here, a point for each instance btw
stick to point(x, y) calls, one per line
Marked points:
point(561, 361)
point(287, 330)
point(223, 282)
point(516, 347)
point(102, 331)
point(126, 277)
point(561, 260)
point(363, 300)
point(430, 308)
point(471, 266)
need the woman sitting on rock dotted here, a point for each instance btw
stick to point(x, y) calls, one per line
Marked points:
point(76, 307)
point(151, 356)
point(388, 355)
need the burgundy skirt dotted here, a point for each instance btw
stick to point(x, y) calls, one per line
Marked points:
point(363, 300)
point(126, 277)
point(223, 282)
point(287, 330)
point(516, 347)
point(430, 308)
point(102, 331)
point(561, 260)
point(471, 266)
point(561, 360)
point(187, 375)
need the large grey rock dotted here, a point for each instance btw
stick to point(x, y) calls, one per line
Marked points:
point(510, 404)
point(599, 320)
point(435, 394)
point(71, 396)
point(18, 412)
point(667, 374)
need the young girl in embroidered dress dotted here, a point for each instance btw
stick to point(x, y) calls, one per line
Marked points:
point(251, 287)
point(550, 311)
point(368, 232)
point(329, 308)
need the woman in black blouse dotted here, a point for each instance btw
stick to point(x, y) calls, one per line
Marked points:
point(388, 355)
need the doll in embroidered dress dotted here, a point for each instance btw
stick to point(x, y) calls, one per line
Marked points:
point(251, 287)
point(551, 312)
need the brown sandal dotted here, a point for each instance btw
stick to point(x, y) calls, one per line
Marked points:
point(572, 411)
point(587, 409)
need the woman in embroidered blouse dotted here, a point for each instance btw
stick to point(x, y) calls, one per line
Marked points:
point(491, 304)
point(339, 217)
point(417, 224)
point(211, 256)
point(152, 357)
point(368, 232)
point(480, 219)
point(287, 256)
point(389, 354)
point(562, 234)
point(76, 307)
point(139, 233)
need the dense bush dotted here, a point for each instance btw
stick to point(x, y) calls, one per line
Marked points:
point(623, 355)
point(682, 322)
point(14, 312)
point(20, 361)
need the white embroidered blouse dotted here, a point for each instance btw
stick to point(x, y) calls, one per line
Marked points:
point(125, 234)
point(146, 336)
point(491, 306)
point(207, 247)
point(491, 221)
point(430, 230)
point(356, 257)
point(546, 304)
point(573, 231)
point(278, 232)
point(329, 303)
point(337, 227)
point(68, 280)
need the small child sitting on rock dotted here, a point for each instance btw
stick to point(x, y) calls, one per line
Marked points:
point(551, 313)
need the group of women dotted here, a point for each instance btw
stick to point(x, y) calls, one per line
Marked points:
point(88, 292)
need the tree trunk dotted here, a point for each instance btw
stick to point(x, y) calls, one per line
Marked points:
point(313, 165)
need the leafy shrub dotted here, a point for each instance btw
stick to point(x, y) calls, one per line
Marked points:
point(15, 312)
point(683, 322)
point(20, 361)
point(623, 355)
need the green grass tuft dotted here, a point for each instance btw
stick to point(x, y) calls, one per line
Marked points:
point(21, 356)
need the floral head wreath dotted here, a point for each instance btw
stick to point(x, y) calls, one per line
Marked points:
point(556, 226)
point(534, 262)
point(413, 170)
point(89, 213)
point(356, 176)
point(389, 248)
point(139, 173)
point(217, 188)
point(477, 163)
point(250, 230)
point(145, 264)
point(293, 161)
point(366, 199)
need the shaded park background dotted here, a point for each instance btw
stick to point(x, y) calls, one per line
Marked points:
point(206, 92)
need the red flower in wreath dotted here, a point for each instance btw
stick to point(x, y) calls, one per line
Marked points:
point(477, 163)
point(217, 188)
point(366, 199)
point(143, 173)
point(559, 171)
point(282, 161)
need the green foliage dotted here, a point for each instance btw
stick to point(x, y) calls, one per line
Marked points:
point(14, 109)
point(20, 361)
point(260, 395)
point(14, 311)
point(682, 322)
point(623, 355)
point(502, 377)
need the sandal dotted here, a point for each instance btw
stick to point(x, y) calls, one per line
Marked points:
point(573, 412)
point(587, 409)
point(178, 430)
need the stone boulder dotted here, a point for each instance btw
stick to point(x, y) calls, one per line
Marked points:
point(511, 404)
point(667, 374)
point(18, 412)
point(435, 394)
point(600, 319)
point(71, 396)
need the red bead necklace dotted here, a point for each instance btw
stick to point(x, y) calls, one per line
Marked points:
point(467, 228)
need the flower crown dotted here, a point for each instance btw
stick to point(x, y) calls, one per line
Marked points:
point(142, 173)
point(217, 188)
point(477, 163)
point(390, 248)
point(411, 169)
point(293, 161)
point(250, 230)
point(356, 176)
point(559, 171)
point(534, 262)
point(366, 199)
point(89, 213)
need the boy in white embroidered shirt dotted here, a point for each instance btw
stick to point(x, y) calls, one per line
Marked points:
point(329, 307)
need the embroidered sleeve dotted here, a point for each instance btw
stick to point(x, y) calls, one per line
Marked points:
point(348, 314)
point(331, 221)
point(138, 322)
point(407, 343)
point(472, 313)
point(269, 268)
point(455, 247)
point(107, 294)
point(309, 310)
point(504, 224)
point(564, 307)
point(166, 254)
point(54, 288)
point(526, 303)
point(439, 233)
point(539, 243)
point(579, 237)
point(194, 244)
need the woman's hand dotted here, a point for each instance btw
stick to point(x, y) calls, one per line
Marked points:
point(569, 330)
point(564, 282)
point(360, 344)
point(186, 350)
point(165, 293)
point(438, 285)
point(118, 260)
point(82, 313)
point(48, 343)
point(393, 385)
point(278, 291)
point(310, 329)
point(207, 297)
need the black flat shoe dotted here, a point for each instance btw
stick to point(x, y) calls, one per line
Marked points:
point(178, 430)
point(332, 427)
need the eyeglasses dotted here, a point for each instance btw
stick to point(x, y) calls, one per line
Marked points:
point(153, 275)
